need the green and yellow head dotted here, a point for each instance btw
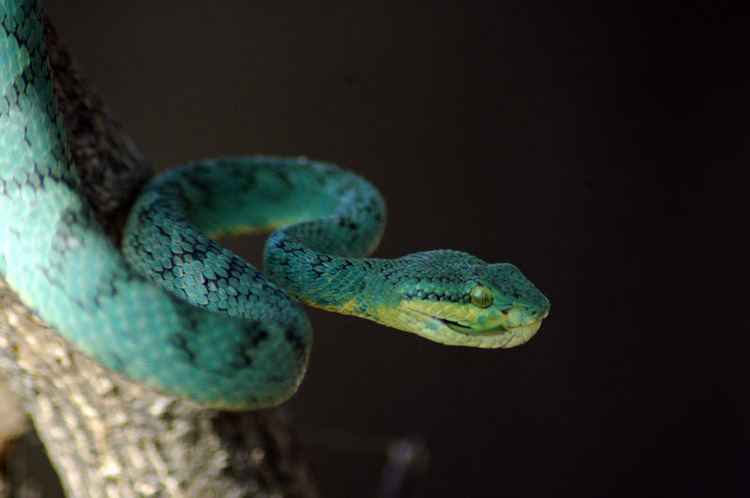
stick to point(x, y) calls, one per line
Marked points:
point(454, 298)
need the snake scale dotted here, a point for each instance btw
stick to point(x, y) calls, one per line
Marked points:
point(172, 308)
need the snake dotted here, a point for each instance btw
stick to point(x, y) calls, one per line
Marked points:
point(173, 309)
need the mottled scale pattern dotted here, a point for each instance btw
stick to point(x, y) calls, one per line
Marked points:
point(177, 311)
point(57, 258)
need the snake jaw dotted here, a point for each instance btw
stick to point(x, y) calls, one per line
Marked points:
point(452, 333)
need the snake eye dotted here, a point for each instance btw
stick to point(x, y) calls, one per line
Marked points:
point(481, 296)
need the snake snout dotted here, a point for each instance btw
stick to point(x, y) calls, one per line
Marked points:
point(538, 312)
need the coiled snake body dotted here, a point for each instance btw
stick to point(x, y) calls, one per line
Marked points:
point(187, 316)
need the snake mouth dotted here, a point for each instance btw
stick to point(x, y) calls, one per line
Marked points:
point(498, 337)
point(454, 333)
point(454, 325)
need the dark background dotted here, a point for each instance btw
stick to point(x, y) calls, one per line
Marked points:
point(598, 148)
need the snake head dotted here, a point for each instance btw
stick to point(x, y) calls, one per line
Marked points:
point(455, 298)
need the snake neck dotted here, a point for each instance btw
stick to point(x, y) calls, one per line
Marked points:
point(321, 279)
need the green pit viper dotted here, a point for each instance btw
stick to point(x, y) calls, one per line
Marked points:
point(175, 310)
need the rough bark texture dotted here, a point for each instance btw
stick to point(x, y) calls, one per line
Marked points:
point(105, 435)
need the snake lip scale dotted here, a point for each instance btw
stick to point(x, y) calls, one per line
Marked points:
point(455, 325)
point(173, 309)
point(499, 336)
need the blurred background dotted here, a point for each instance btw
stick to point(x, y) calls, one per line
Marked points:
point(601, 149)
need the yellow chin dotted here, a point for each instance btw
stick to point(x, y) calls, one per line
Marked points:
point(434, 329)
point(424, 324)
point(506, 338)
